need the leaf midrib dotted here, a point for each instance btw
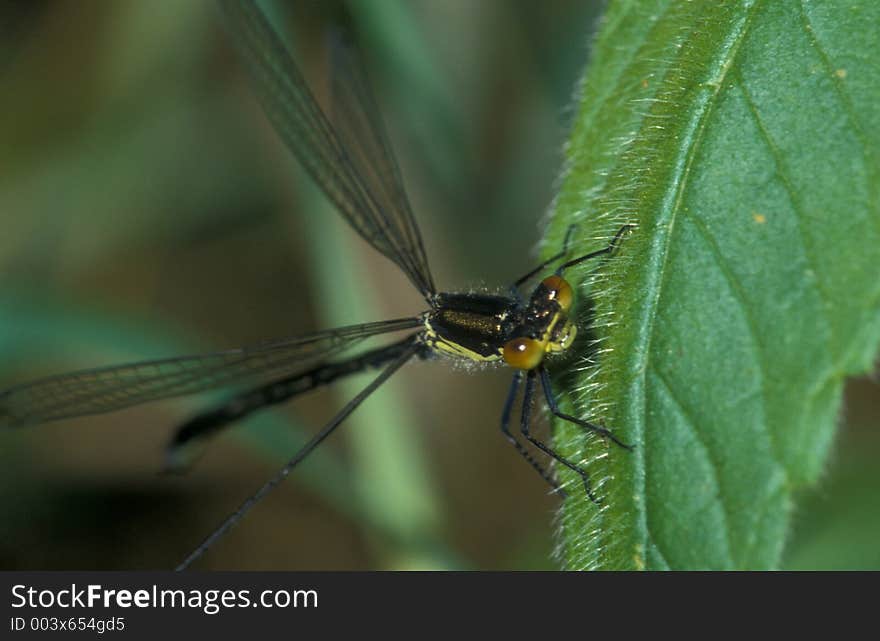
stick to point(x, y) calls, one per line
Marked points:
point(655, 273)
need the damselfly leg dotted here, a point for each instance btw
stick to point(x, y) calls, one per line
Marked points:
point(554, 408)
point(540, 370)
point(409, 350)
point(558, 256)
point(505, 430)
point(525, 428)
point(607, 250)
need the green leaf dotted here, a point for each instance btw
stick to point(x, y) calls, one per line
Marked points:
point(743, 139)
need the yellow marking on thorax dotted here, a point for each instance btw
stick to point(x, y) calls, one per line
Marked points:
point(546, 337)
point(460, 351)
point(567, 339)
point(454, 349)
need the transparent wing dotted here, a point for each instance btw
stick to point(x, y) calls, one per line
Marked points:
point(355, 115)
point(107, 389)
point(355, 169)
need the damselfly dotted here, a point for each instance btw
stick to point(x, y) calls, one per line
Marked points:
point(348, 156)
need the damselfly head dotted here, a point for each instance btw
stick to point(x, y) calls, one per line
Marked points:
point(546, 327)
point(556, 288)
point(524, 353)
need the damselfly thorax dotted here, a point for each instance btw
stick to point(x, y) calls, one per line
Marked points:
point(487, 328)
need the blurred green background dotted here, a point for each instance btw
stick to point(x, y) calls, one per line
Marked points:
point(147, 209)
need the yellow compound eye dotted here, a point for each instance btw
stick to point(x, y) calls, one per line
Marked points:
point(560, 291)
point(523, 353)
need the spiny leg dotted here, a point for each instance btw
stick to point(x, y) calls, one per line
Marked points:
point(608, 250)
point(300, 455)
point(525, 419)
point(552, 259)
point(505, 430)
point(554, 407)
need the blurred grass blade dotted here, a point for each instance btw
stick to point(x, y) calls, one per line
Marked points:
point(389, 469)
point(743, 138)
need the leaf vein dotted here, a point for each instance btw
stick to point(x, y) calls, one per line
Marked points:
point(846, 100)
point(689, 421)
point(799, 212)
point(738, 292)
point(653, 543)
